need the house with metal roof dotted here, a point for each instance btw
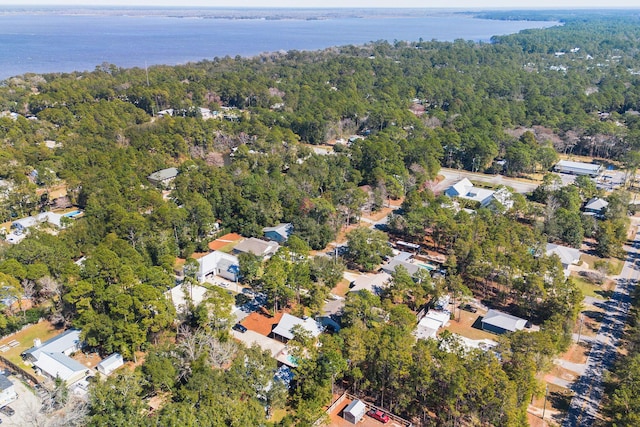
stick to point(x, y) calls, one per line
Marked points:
point(280, 233)
point(499, 323)
point(163, 177)
point(52, 360)
point(568, 256)
point(284, 331)
point(578, 168)
point(596, 207)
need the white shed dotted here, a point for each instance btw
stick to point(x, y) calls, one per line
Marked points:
point(110, 364)
point(354, 411)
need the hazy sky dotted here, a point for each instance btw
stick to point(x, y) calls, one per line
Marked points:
point(470, 4)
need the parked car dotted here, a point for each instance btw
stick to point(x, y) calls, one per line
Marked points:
point(7, 410)
point(378, 415)
point(238, 327)
point(469, 307)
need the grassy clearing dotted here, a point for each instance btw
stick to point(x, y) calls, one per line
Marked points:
point(615, 264)
point(589, 289)
point(42, 330)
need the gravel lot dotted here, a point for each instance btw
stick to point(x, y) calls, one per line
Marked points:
point(26, 406)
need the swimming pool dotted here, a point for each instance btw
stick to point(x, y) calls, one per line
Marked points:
point(429, 267)
point(73, 214)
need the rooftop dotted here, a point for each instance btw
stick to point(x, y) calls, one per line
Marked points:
point(578, 165)
point(57, 344)
point(288, 323)
point(5, 383)
point(504, 321)
point(257, 247)
point(164, 174)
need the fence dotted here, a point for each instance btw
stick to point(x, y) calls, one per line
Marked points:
point(348, 395)
point(20, 371)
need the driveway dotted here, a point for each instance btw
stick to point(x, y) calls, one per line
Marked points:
point(589, 389)
point(27, 406)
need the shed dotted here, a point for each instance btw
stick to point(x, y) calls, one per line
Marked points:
point(7, 391)
point(499, 323)
point(110, 364)
point(354, 411)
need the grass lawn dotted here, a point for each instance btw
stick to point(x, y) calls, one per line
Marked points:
point(615, 263)
point(43, 330)
point(468, 326)
point(590, 289)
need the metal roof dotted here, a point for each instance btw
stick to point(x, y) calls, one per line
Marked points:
point(504, 321)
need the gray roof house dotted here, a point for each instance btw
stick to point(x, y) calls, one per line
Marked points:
point(499, 323)
point(596, 206)
point(391, 266)
point(257, 247)
point(284, 330)
point(280, 233)
point(163, 176)
point(568, 256)
point(52, 359)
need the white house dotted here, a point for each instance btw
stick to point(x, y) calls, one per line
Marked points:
point(432, 321)
point(110, 364)
point(218, 263)
point(284, 329)
point(578, 168)
point(7, 391)
point(568, 256)
point(51, 358)
point(465, 189)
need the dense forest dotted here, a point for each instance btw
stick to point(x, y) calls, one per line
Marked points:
point(395, 114)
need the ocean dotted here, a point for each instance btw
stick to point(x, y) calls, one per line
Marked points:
point(61, 40)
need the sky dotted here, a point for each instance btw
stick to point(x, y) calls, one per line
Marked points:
point(466, 4)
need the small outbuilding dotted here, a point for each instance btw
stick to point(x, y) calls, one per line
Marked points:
point(354, 411)
point(499, 323)
point(110, 364)
point(7, 391)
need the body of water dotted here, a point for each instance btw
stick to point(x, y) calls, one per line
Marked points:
point(62, 42)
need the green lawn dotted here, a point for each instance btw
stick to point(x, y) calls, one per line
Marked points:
point(590, 289)
point(42, 330)
point(615, 263)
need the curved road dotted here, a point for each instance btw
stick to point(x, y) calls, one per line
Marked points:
point(589, 388)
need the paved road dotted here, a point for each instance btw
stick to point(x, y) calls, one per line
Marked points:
point(589, 388)
point(451, 176)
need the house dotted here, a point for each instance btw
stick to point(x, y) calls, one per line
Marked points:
point(7, 391)
point(284, 331)
point(218, 263)
point(465, 189)
point(163, 177)
point(499, 323)
point(432, 321)
point(374, 283)
point(257, 247)
point(411, 268)
point(354, 412)
point(280, 233)
point(568, 256)
point(110, 364)
point(578, 168)
point(165, 113)
point(596, 207)
point(51, 358)
point(501, 197)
